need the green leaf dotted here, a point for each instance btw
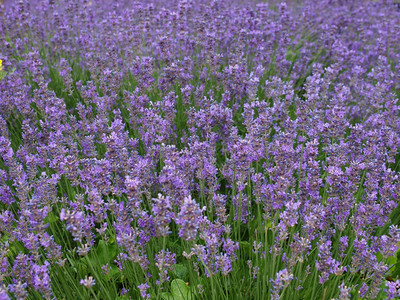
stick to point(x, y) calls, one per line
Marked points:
point(396, 262)
point(167, 296)
point(180, 291)
point(181, 271)
point(105, 253)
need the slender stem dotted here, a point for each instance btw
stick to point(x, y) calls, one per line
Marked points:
point(94, 295)
point(162, 266)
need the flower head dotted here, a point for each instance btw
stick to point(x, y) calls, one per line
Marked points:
point(88, 282)
point(143, 290)
point(189, 219)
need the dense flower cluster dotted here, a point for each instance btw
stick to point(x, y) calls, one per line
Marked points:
point(247, 148)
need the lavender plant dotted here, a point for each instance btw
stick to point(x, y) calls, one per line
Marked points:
point(206, 149)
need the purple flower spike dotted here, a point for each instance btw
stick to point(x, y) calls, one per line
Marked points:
point(189, 219)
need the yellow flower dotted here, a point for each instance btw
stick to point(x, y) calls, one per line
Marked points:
point(1, 65)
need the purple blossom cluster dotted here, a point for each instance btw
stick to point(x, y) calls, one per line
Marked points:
point(150, 134)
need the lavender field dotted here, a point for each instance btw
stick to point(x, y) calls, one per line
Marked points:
point(199, 149)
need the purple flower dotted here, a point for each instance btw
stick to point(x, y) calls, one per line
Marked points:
point(189, 219)
point(41, 278)
point(281, 118)
point(224, 264)
point(88, 282)
point(162, 215)
point(19, 290)
point(282, 280)
point(393, 289)
point(344, 292)
point(143, 290)
point(3, 295)
point(165, 261)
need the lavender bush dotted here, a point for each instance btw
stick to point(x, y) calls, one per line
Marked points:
point(199, 149)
